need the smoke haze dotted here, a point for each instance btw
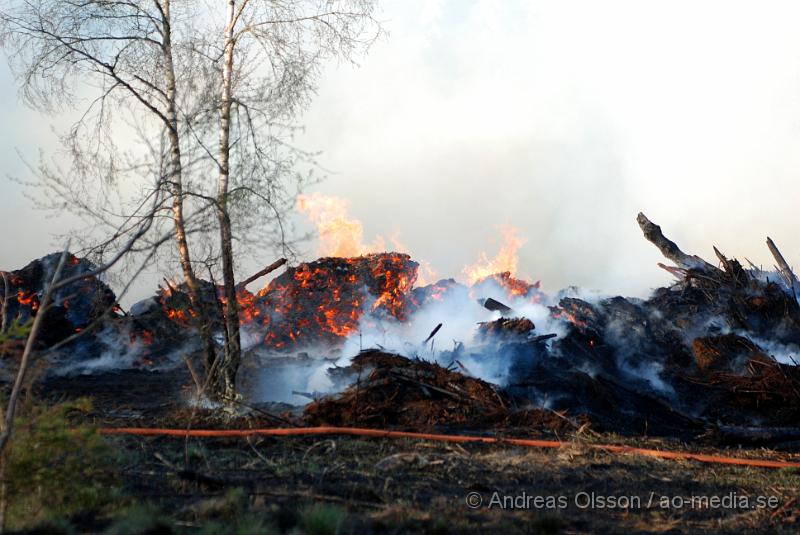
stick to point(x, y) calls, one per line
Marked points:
point(562, 119)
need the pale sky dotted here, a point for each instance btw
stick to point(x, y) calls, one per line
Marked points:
point(563, 119)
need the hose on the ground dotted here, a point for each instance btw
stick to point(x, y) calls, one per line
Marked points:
point(382, 433)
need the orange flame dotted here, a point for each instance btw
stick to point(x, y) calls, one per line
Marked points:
point(560, 313)
point(31, 299)
point(338, 234)
point(144, 335)
point(505, 260)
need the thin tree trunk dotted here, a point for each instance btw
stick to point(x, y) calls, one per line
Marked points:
point(3, 492)
point(4, 307)
point(233, 345)
point(176, 184)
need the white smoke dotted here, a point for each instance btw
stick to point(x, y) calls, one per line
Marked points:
point(459, 311)
point(117, 350)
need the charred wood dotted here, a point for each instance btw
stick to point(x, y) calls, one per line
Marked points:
point(669, 249)
point(266, 271)
point(433, 333)
point(783, 266)
point(494, 305)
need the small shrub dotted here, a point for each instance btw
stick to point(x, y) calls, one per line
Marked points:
point(322, 519)
point(54, 468)
point(140, 520)
point(247, 524)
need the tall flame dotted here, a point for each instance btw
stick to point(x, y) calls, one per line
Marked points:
point(506, 259)
point(338, 234)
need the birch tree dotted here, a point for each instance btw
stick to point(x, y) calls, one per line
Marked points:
point(119, 56)
point(272, 55)
point(223, 83)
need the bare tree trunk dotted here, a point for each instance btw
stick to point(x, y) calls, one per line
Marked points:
point(3, 493)
point(233, 345)
point(4, 306)
point(176, 183)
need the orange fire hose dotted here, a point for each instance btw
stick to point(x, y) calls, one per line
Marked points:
point(380, 433)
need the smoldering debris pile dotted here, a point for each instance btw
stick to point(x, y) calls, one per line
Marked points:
point(704, 350)
point(714, 349)
point(389, 390)
point(74, 307)
point(85, 328)
point(318, 303)
point(322, 302)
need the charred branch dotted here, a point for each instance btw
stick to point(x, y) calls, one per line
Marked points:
point(266, 271)
point(669, 249)
point(783, 266)
point(433, 333)
point(494, 305)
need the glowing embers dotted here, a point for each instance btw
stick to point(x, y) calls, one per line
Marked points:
point(324, 301)
point(28, 299)
point(72, 308)
point(144, 336)
point(570, 310)
point(176, 304)
point(512, 286)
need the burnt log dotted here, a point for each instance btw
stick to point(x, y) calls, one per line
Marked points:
point(433, 333)
point(506, 328)
point(495, 306)
point(669, 249)
point(783, 266)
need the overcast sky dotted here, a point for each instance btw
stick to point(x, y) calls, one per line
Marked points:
point(561, 118)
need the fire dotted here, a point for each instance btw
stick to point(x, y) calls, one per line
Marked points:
point(248, 312)
point(426, 274)
point(395, 286)
point(325, 300)
point(176, 304)
point(513, 287)
point(438, 290)
point(144, 335)
point(338, 234)
point(30, 299)
point(560, 313)
point(506, 259)
point(342, 236)
point(176, 315)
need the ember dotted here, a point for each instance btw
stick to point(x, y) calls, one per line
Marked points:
point(74, 308)
point(322, 302)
